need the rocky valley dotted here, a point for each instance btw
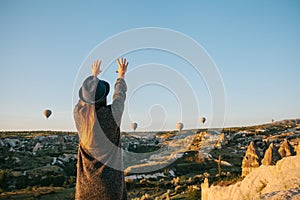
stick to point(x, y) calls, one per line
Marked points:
point(158, 165)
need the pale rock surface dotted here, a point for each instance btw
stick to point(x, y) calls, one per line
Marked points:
point(286, 149)
point(285, 194)
point(251, 160)
point(37, 147)
point(271, 156)
point(12, 142)
point(281, 180)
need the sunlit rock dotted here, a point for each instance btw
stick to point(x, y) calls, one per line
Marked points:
point(265, 181)
point(286, 149)
point(251, 160)
point(271, 156)
point(221, 141)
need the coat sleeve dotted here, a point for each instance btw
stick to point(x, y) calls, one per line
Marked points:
point(76, 116)
point(119, 99)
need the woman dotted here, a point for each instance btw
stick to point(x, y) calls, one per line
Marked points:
point(100, 164)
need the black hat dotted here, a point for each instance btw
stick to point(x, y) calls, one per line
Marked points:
point(93, 90)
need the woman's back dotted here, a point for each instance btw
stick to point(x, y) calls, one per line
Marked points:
point(99, 170)
point(100, 165)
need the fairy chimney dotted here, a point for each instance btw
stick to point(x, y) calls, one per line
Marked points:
point(297, 148)
point(204, 189)
point(286, 149)
point(271, 156)
point(251, 160)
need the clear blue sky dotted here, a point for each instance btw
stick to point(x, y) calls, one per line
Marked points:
point(255, 45)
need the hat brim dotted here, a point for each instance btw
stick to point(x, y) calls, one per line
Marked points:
point(107, 87)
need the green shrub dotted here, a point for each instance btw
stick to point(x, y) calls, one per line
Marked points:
point(72, 195)
point(193, 193)
point(70, 168)
point(4, 178)
point(22, 182)
point(56, 181)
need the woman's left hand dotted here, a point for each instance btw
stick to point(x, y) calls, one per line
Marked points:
point(96, 68)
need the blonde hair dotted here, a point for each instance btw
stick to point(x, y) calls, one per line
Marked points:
point(87, 122)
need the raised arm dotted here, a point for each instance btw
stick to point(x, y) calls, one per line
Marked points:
point(120, 90)
point(123, 64)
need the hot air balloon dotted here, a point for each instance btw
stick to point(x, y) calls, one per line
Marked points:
point(47, 113)
point(202, 120)
point(179, 126)
point(134, 125)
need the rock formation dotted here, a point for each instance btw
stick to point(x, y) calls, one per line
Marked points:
point(271, 156)
point(268, 182)
point(251, 160)
point(286, 149)
point(205, 189)
point(12, 142)
point(297, 148)
point(37, 147)
point(2, 143)
point(221, 141)
point(292, 194)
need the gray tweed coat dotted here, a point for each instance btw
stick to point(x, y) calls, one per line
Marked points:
point(100, 165)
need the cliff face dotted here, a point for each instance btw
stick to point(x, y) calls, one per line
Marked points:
point(264, 182)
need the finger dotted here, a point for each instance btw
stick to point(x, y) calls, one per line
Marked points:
point(118, 62)
point(122, 61)
point(91, 66)
point(100, 63)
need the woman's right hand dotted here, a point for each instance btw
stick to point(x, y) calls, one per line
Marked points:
point(123, 64)
point(96, 68)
